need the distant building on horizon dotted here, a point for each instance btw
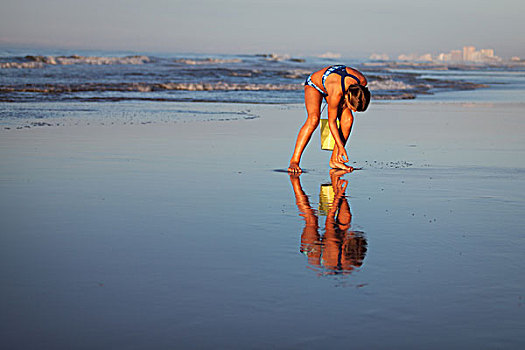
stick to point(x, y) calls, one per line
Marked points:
point(469, 54)
point(452, 56)
point(415, 57)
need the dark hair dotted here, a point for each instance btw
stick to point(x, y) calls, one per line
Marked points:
point(359, 97)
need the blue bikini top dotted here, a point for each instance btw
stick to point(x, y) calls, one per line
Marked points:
point(340, 70)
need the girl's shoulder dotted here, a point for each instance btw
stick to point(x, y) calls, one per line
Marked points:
point(361, 76)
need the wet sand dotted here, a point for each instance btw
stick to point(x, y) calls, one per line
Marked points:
point(183, 235)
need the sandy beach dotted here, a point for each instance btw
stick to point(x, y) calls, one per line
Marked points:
point(172, 234)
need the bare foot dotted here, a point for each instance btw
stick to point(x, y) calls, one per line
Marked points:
point(294, 168)
point(338, 165)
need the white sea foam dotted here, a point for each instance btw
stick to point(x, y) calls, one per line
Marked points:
point(21, 65)
point(296, 73)
point(388, 84)
point(41, 61)
point(102, 60)
point(377, 85)
point(226, 87)
point(250, 73)
point(208, 61)
point(144, 87)
point(276, 57)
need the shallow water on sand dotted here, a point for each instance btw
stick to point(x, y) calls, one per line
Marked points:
point(185, 237)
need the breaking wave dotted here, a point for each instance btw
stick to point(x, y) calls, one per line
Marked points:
point(193, 78)
point(296, 74)
point(42, 61)
point(207, 61)
point(274, 57)
point(388, 84)
point(144, 87)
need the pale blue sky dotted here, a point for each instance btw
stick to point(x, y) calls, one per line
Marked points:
point(297, 27)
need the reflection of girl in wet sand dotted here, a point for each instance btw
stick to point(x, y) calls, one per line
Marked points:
point(339, 250)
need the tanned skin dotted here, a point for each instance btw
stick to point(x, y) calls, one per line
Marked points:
point(336, 110)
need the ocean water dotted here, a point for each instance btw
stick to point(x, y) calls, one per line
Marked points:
point(500, 85)
point(165, 221)
point(266, 78)
point(56, 88)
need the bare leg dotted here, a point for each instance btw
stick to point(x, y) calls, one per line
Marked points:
point(347, 120)
point(310, 238)
point(312, 100)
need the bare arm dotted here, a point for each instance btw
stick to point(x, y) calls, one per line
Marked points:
point(339, 187)
point(333, 110)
